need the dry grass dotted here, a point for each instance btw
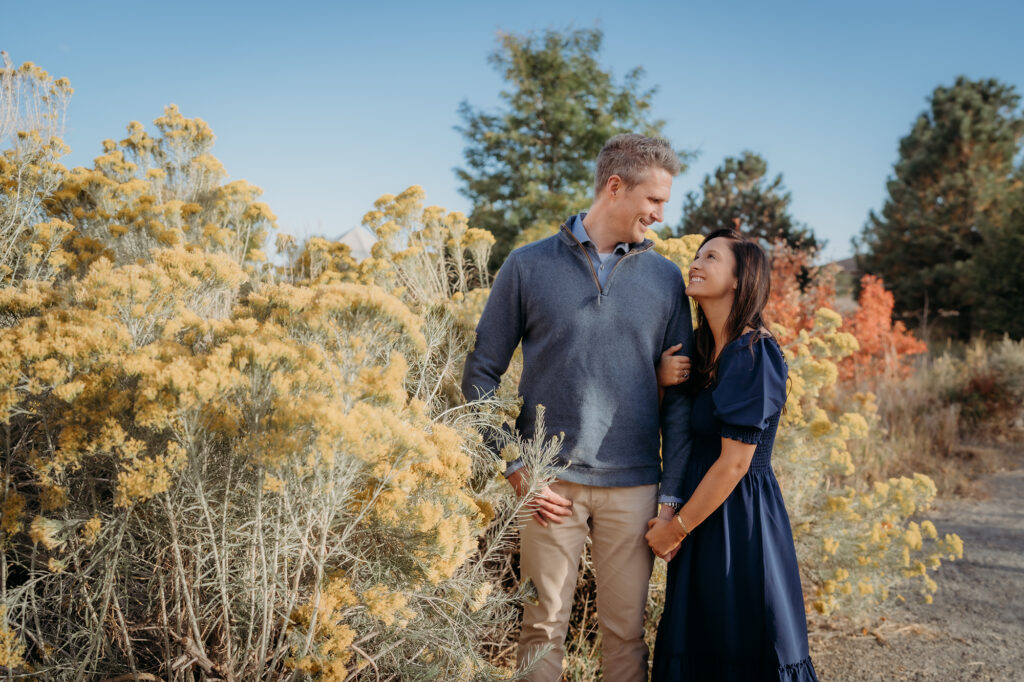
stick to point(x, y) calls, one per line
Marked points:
point(956, 419)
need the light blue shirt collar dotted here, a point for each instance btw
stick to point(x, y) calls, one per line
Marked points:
point(580, 232)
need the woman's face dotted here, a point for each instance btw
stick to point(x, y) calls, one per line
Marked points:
point(713, 271)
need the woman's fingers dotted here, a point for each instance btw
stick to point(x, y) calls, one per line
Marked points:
point(660, 540)
point(673, 369)
point(680, 367)
point(670, 351)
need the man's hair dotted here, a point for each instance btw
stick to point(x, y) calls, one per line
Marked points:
point(630, 156)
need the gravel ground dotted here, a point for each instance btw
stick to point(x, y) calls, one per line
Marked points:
point(975, 628)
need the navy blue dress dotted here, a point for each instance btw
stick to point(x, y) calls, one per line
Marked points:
point(734, 609)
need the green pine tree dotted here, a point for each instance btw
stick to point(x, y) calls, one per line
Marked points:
point(997, 267)
point(739, 196)
point(954, 171)
point(530, 164)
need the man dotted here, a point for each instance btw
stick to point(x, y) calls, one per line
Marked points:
point(595, 307)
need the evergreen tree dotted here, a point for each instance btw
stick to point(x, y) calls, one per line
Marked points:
point(739, 196)
point(531, 164)
point(954, 172)
point(998, 267)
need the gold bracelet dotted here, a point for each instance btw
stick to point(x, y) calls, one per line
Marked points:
point(686, 531)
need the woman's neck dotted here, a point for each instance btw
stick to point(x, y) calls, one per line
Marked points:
point(716, 312)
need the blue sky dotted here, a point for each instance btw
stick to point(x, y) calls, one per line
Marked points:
point(326, 106)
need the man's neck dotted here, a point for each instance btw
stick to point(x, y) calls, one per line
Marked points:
point(598, 227)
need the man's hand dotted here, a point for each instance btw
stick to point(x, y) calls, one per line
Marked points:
point(663, 537)
point(673, 369)
point(547, 505)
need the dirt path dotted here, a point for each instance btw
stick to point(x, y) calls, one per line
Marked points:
point(975, 628)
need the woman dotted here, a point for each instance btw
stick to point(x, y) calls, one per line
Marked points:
point(733, 604)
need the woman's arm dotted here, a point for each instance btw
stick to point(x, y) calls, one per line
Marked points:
point(664, 535)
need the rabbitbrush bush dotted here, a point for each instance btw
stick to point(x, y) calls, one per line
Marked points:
point(214, 466)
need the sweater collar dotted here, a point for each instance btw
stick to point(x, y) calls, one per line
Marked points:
point(567, 234)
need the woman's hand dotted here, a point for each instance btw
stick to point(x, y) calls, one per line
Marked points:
point(664, 537)
point(673, 369)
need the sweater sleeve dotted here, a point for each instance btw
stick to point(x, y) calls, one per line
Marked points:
point(498, 332)
point(675, 408)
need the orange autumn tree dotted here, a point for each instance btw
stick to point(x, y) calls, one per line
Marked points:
point(799, 290)
point(886, 346)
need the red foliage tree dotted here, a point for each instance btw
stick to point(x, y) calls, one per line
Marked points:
point(798, 290)
point(885, 346)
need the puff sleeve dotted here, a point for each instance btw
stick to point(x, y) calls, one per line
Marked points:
point(751, 388)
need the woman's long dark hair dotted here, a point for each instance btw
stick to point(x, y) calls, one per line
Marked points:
point(754, 284)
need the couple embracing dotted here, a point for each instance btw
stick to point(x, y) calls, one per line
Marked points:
point(665, 457)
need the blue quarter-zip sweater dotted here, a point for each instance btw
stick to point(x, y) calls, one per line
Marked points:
point(589, 357)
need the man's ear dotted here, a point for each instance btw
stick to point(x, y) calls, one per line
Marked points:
point(614, 185)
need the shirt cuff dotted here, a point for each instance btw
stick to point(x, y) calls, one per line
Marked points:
point(513, 466)
point(665, 499)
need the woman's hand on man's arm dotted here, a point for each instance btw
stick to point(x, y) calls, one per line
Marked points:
point(673, 369)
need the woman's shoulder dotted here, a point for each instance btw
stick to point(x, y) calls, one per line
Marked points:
point(757, 340)
point(755, 352)
point(752, 377)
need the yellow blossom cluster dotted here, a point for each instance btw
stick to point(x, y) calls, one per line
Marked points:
point(146, 192)
point(12, 649)
point(325, 614)
point(426, 255)
point(681, 251)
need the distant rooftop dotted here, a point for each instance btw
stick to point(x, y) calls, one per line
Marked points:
point(360, 240)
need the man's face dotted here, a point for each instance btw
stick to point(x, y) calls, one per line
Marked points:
point(637, 209)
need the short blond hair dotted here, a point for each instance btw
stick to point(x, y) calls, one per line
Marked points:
point(630, 156)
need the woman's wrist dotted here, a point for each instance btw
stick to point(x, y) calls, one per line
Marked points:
point(681, 529)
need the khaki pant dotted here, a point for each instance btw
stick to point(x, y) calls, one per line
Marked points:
point(616, 518)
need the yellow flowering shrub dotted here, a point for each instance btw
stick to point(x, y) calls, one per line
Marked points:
point(855, 546)
point(264, 471)
point(260, 439)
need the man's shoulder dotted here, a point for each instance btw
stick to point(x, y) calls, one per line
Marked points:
point(661, 267)
point(542, 248)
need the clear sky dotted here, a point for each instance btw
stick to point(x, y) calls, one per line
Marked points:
point(328, 105)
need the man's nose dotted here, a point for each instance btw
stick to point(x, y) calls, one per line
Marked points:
point(658, 215)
